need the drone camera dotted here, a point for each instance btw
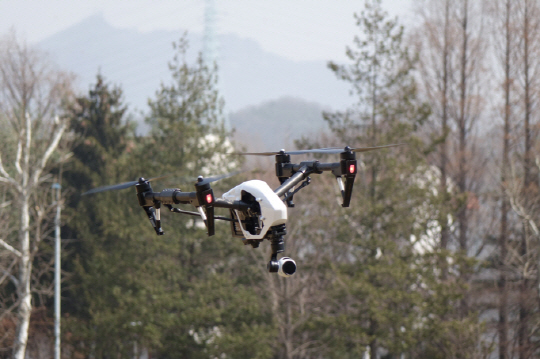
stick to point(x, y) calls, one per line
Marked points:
point(287, 267)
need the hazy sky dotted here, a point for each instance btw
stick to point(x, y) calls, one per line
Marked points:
point(295, 29)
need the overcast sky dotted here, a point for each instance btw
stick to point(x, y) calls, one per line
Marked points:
point(295, 29)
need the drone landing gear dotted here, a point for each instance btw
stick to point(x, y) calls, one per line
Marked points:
point(154, 217)
point(285, 267)
point(153, 212)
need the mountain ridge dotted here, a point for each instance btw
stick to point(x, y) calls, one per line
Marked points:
point(138, 62)
point(250, 78)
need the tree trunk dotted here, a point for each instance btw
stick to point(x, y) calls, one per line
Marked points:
point(28, 88)
point(462, 215)
point(445, 232)
point(523, 337)
point(23, 290)
point(503, 240)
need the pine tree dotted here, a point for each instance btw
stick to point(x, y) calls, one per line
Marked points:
point(187, 121)
point(103, 250)
point(177, 295)
point(388, 285)
point(211, 311)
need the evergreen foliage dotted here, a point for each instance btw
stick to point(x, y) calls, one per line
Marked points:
point(177, 295)
point(186, 119)
point(101, 251)
point(388, 284)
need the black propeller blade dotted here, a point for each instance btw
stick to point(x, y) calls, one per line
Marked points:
point(119, 186)
point(124, 185)
point(323, 151)
point(359, 149)
point(207, 180)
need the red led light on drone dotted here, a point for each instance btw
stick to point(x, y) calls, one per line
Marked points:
point(352, 169)
point(209, 198)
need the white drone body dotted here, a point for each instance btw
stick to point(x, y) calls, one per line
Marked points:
point(273, 211)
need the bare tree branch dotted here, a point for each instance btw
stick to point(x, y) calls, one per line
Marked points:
point(18, 157)
point(10, 248)
point(7, 271)
point(52, 147)
point(6, 178)
point(9, 310)
point(30, 92)
point(26, 159)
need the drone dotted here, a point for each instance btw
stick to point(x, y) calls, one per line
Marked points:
point(257, 212)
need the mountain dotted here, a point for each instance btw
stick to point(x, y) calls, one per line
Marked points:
point(135, 61)
point(285, 119)
point(249, 76)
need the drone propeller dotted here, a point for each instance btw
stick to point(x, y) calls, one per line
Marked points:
point(207, 180)
point(119, 186)
point(359, 149)
point(323, 151)
point(124, 185)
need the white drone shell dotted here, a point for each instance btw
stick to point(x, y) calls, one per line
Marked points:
point(273, 210)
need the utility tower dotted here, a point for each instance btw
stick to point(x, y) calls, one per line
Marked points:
point(211, 46)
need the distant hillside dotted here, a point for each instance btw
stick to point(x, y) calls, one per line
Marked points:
point(135, 61)
point(275, 124)
point(269, 98)
point(138, 62)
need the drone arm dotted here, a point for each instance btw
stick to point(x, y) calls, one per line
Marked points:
point(238, 205)
point(178, 210)
point(289, 169)
point(328, 166)
point(167, 196)
point(185, 197)
point(303, 170)
point(295, 179)
point(197, 214)
point(346, 167)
